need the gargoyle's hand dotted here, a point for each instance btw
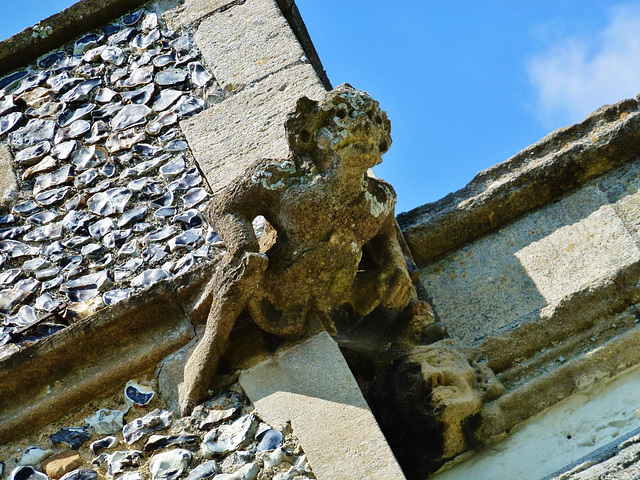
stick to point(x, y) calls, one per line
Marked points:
point(247, 268)
point(238, 254)
point(255, 262)
point(250, 264)
point(398, 285)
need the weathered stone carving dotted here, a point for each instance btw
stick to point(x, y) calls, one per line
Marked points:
point(336, 232)
point(428, 404)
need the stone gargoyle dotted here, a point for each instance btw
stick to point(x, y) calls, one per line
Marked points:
point(428, 403)
point(336, 232)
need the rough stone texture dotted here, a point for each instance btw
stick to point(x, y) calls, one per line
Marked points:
point(67, 369)
point(57, 465)
point(190, 11)
point(425, 403)
point(230, 136)
point(8, 183)
point(539, 260)
point(170, 373)
point(247, 42)
point(539, 174)
point(82, 16)
point(312, 386)
point(556, 311)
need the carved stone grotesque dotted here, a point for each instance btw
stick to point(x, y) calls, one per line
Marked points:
point(336, 232)
point(428, 404)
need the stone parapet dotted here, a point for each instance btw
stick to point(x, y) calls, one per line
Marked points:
point(560, 162)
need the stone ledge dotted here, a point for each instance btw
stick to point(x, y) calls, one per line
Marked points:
point(578, 375)
point(87, 359)
point(534, 177)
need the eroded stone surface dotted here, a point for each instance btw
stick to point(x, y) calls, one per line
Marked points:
point(559, 436)
point(426, 402)
point(259, 112)
point(240, 56)
point(337, 249)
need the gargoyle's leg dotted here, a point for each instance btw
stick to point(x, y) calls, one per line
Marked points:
point(233, 284)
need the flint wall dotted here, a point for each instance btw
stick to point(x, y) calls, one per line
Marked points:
point(260, 54)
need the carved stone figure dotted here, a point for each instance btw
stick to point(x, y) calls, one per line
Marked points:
point(428, 405)
point(336, 232)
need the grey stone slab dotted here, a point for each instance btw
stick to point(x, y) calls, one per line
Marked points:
point(622, 187)
point(537, 261)
point(312, 386)
point(247, 42)
point(8, 183)
point(190, 11)
point(248, 126)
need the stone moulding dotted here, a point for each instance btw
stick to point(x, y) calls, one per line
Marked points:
point(86, 15)
point(41, 382)
point(537, 175)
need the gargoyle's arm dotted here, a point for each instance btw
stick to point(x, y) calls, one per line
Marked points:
point(250, 195)
point(383, 279)
point(394, 268)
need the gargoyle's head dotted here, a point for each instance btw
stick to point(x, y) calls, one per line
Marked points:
point(347, 123)
point(437, 387)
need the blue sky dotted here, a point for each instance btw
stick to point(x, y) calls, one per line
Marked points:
point(466, 84)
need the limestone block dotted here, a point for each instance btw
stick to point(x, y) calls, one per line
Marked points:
point(312, 386)
point(230, 136)
point(622, 188)
point(247, 42)
point(8, 184)
point(192, 10)
point(544, 257)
